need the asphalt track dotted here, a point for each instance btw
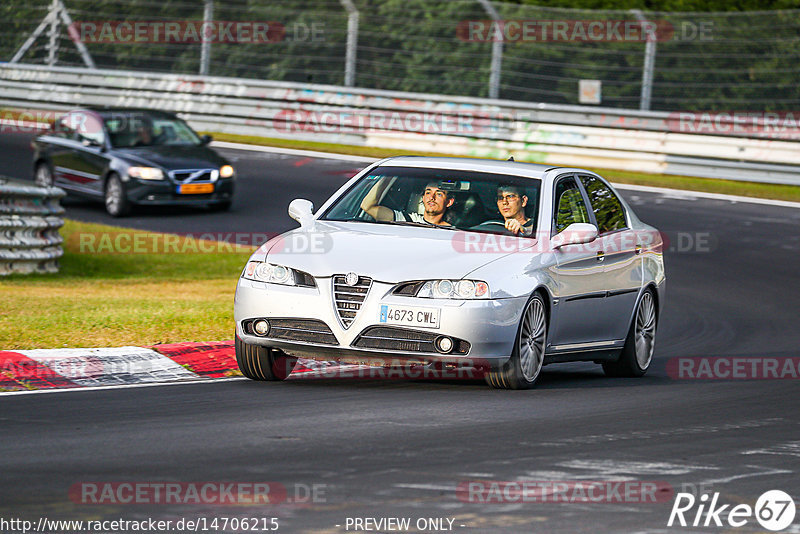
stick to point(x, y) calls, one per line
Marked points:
point(400, 448)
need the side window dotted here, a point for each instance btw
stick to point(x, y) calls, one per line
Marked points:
point(92, 129)
point(569, 207)
point(606, 206)
point(64, 127)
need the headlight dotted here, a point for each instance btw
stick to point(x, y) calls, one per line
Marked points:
point(226, 171)
point(277, 274)
point(146, 173)
point(444, 289)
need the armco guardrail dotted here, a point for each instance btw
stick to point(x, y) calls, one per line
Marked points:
point(559, 135)
point(30, 217)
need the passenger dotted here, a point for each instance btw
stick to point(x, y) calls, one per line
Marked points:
point(435, 200)
point(511, 202)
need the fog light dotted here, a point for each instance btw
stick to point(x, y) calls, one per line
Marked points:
point(261, 327)
point(444, 344)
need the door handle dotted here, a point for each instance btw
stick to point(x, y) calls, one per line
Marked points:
point(601, 255)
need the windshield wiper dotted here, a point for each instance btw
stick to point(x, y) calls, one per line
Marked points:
point(425, 225)
point(400, 223)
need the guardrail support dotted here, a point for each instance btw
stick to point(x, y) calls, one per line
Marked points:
point(57, 12)
point(649, 60)
point(497, 51)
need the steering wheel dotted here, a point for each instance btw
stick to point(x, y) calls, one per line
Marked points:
point(487, 225)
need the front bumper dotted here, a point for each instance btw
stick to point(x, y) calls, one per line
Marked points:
point(163, 192)
point(489, 326)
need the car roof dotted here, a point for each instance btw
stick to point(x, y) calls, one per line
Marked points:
point(106, 112)
point(528, 170)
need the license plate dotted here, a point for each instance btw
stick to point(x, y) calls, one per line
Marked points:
point(409, 316)
point(195, 189)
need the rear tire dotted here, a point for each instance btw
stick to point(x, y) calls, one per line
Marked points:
point(262, 363)
point(527, 359)
point(116, 202)
point(639, 344)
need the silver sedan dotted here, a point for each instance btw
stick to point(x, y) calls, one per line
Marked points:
point(449, 262)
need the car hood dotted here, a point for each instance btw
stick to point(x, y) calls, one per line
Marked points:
point(384, 252)
point(173, 157)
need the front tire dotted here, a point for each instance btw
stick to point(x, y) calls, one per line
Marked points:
point(117, 204)
point(638, 350)
point(262, 363)
point(527, 359)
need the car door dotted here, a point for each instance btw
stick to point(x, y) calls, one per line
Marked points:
point(62, 148)
point(579, 275)
point(622, 263)
point(93, 156)
point(73, 164)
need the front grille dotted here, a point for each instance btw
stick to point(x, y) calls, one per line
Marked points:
point(401, 339)
point(348, 299)
point(193, 175)
point(308, 330)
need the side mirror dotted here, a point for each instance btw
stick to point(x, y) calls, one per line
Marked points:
point(575, 234)
point(301, 210)
point(206, 139)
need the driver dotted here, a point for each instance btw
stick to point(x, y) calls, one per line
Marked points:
point(511, 202)
point(435, 200)
point(144, 135)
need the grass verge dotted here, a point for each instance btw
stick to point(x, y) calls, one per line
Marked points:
point(105, 298)
point(708, 185)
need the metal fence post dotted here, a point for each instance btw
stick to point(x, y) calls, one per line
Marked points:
point(52, 43)
point(497, 51)
point(205, 47)
point(649, 60)
point(352, 42)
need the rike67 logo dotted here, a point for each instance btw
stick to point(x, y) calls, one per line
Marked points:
point(774, 510)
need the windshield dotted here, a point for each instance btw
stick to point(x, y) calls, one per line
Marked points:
point(126, 131)
point(463, 200)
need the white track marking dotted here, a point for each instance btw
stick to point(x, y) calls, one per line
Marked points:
point(683, 194)
point(111, 366)
point(768, 471)
point(292, 152)
point(792, 448)
point(199, 380)
point(613, 469)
